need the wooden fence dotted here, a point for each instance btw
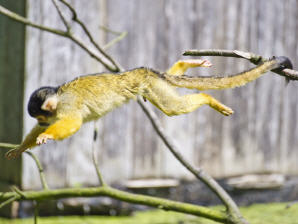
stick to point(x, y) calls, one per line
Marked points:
point(262, 135)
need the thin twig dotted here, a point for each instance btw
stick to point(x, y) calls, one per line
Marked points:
point(9, 200)
point(253, 58)
point(83, 26)
point(8, 145)
point(62, 17)
point(40, 170)
point(36, 160)
point(95, 163)
point(107, 29)
point(18, 191)
point(114, 41)
point(36, 211)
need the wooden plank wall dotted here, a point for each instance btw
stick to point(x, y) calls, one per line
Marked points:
point(262, 134)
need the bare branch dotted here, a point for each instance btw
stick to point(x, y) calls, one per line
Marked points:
point(95, 163)
point(18, 191)
point(36, 160)
point(8, 200)
point(66, 24)
point(122, 196)
point(83, 26)
point(253, 58)
point(62, 33)
point(25, 21)
point(197, 172)
point(115, 40)
point(36, 211)
point(8, 145)
point(40, 170)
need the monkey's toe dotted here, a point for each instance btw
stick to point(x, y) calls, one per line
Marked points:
point(42, 139)
point(227, 111)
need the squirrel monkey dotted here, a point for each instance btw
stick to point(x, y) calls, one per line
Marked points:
point(60, 111)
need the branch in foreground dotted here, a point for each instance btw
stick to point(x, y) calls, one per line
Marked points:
point(120, 195)
point(199, 173)
point(290, 74)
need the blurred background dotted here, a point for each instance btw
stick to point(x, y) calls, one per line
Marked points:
point(259, 142)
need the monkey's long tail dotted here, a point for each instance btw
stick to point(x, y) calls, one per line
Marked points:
point(240, 79)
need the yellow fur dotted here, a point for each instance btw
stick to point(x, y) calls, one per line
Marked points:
point(206, 83)
point(180, 67)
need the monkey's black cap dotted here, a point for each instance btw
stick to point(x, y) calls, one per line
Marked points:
point(37, 98)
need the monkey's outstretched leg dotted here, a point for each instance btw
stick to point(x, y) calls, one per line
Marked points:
point(180, 67)
point(171, 103)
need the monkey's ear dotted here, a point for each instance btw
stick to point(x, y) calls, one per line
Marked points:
point(50, 104)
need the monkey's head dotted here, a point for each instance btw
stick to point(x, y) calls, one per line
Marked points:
point(43, 104)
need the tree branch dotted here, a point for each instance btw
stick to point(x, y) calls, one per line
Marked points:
point(95, 163)
point(35, 159)
point(290, 74)
point(83, 26)
point(40, 170)
point(115, 40)
point(62, 33)
point(120, 195)
point(199, 173)
point(66, 24)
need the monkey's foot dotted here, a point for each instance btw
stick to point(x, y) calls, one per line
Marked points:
point(225, 110)
point(195, 63)
point(13, 153)
point(180, 67)
point(42, 138)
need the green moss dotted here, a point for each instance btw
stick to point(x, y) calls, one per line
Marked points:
point(275, 213)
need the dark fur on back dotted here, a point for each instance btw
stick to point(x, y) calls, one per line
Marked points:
point(37, 98)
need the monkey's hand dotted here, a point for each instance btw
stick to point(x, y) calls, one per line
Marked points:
point(42, 138)
point(14, 153)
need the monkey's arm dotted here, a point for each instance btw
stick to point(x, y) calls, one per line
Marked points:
point(62, 128)
point(59, 130)
point(29, 142)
